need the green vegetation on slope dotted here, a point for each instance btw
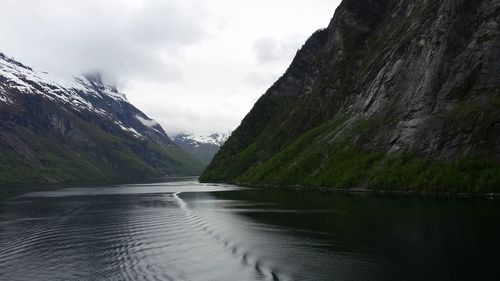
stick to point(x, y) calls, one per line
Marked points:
point(328, 156)
point(106, 158)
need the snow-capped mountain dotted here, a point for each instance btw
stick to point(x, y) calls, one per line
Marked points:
point(203, 147)
point(57, 129)
point(197, 139)
point(81, 94)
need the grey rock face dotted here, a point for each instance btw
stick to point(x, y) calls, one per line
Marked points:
point(437, 65)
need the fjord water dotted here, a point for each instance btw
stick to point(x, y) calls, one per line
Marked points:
point(182, 230)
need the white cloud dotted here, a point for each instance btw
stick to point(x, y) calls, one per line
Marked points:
point(146, 122)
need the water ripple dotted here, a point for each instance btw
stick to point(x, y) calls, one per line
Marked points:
point(94, 234)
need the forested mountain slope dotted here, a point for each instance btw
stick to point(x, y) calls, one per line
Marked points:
point(393, 94)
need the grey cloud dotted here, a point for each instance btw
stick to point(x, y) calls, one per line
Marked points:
point(122, 38)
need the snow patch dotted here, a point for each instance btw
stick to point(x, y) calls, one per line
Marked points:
point(215, 139)
point(128, 129)
point(4, 99)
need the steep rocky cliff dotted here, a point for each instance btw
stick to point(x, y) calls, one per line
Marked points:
point(56, 129)
point(393, 94)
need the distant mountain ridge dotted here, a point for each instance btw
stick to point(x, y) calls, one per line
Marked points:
point(203, 147)
point(56, 129)
point(393, 94)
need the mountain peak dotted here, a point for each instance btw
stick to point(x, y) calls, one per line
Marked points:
point(202, 146)
point(214, 139)
point(70, 90)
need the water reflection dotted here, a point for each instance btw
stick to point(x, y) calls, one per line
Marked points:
point(187, 231)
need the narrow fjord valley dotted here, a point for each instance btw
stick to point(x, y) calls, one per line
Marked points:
point(375, 154)
point(392, 95)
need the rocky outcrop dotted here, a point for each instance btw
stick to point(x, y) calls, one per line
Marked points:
point(56, 129)
point(406, 92)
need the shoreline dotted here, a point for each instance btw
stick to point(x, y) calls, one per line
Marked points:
point(7, 191)
point(366, 191)
point(11, 190)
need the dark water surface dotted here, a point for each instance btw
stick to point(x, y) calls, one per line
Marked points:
point(187, 231)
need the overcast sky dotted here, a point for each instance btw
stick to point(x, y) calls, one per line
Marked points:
point(195, 66)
